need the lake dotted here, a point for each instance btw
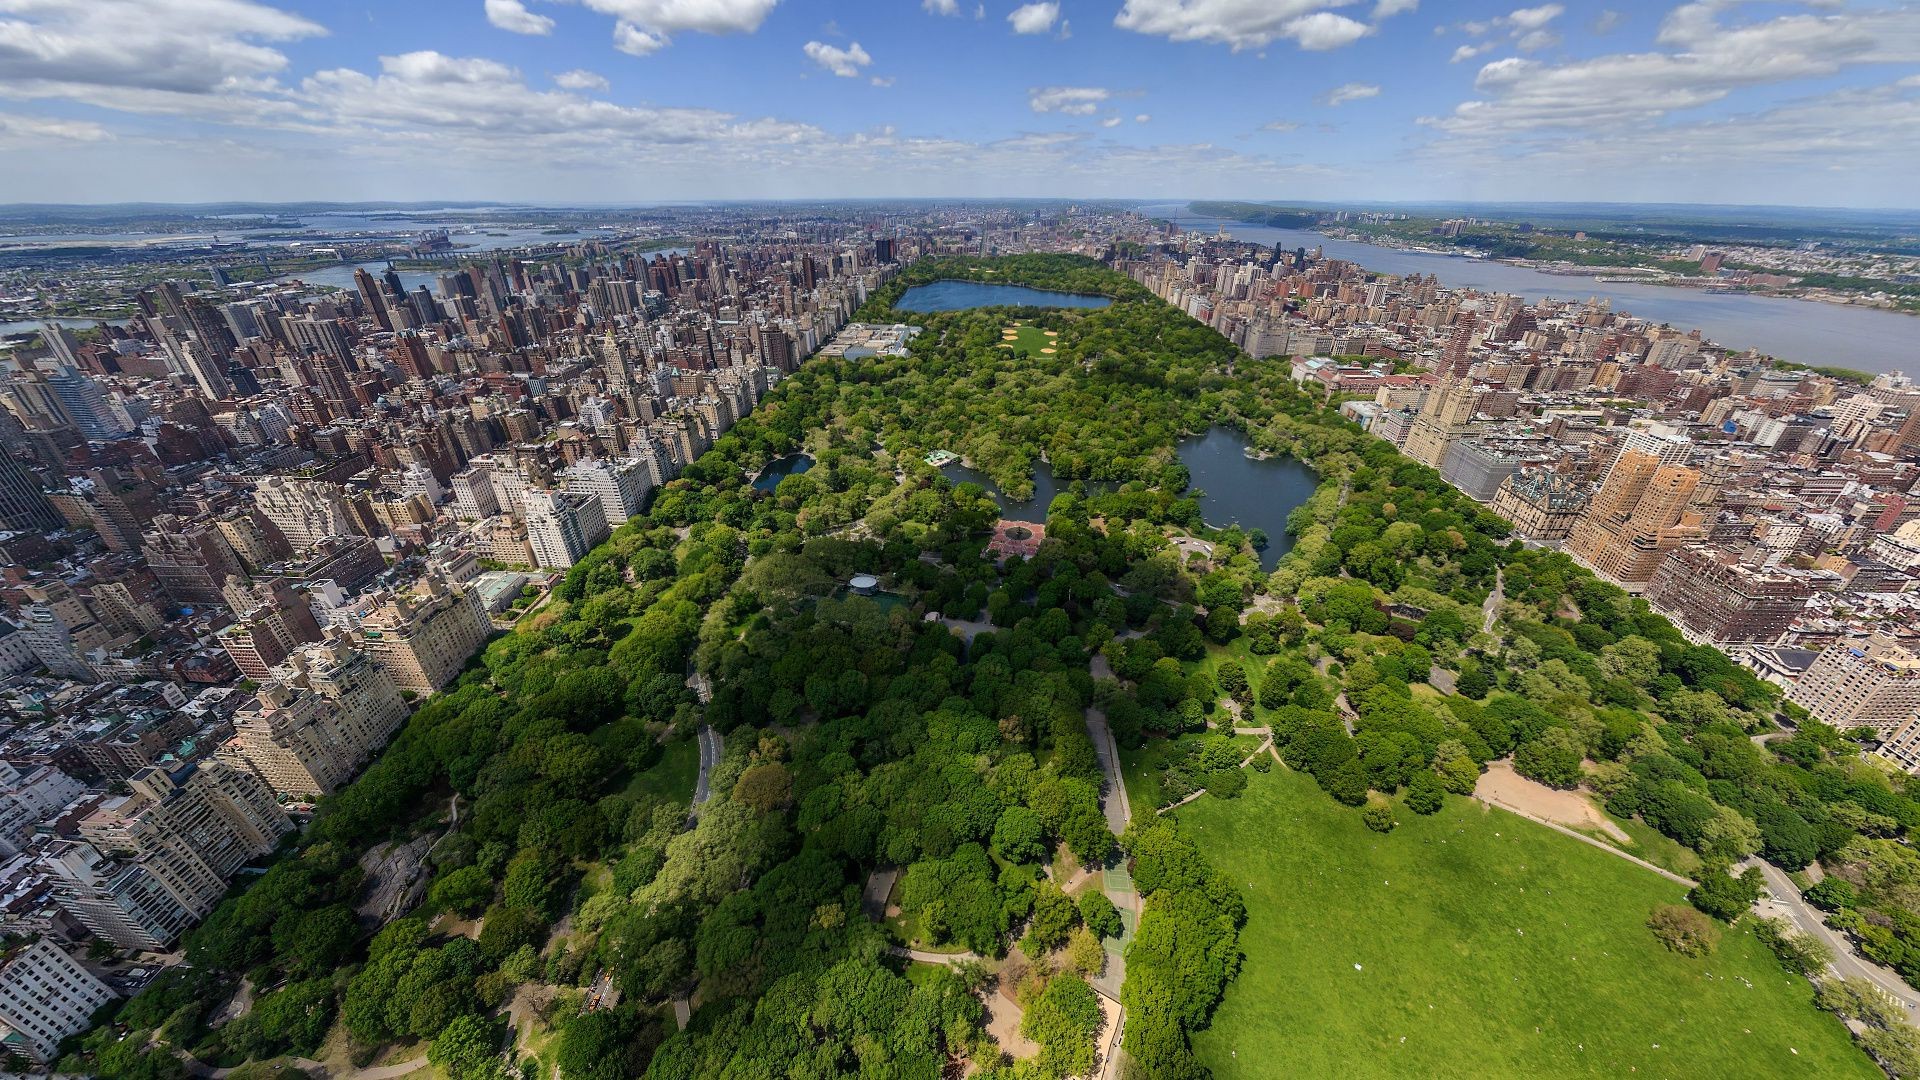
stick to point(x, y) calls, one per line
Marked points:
point(1249, 492)
point(1236, 489)
point(952, 295)
point(779, 469)
point(1045, 487)
point(1804, 331)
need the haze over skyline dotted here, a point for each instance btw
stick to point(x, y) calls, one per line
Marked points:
point(644, 100)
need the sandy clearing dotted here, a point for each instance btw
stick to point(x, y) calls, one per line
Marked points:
point(1500, 784)
point(1003, 1023)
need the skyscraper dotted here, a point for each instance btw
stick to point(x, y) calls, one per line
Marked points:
point(1639, 515)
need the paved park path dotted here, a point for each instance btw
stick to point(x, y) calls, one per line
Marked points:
point(1677, 879)
point(712, 745)
point(1784, 901)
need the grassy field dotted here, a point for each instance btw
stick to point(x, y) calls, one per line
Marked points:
point(673, 776)
point(1029, 338)
point(1140, 769)
point(1476, 944)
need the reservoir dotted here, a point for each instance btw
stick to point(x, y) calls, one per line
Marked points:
point(779, 469)
point(959, 295)
point(1804, 331)
point(1249, 492)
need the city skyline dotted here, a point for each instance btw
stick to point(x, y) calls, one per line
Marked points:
point(635, 101)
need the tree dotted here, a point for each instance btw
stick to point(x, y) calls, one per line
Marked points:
point(1063, 1020)
point(1099, 914)
point(1425, 794)
point(466, 891)
point(1018, 836)
point(1053, 917)
point(1085, 954)
point(1632, 658)
point(765, 787)
point(1725, 897)
point(1683, 930)
point(1802, 954)
point(1832, 894)
point(1552, 759)
point(1855, 998)
point(1455, 767)
point(466, 1048)
point(1378, 814)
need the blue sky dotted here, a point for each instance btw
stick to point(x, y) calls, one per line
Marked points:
point(646, 100)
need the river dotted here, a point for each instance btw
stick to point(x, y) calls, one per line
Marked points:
point(957, 295)
point(1805, 331)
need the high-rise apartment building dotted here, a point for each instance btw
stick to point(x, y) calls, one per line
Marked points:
point(119, 900)
point(620, 485)
point(45, 996)
point(1717, 599)
point(28, 797)
point(307, 733)
point(562, 526)
point(1872, 684)
point(1542, 504)
point(84, 401)
point(1443, 420)
point(1639, 515)
point(423, 639)
point(23, 505)
point(305, 511)
point(191, 560)
point(473, 494)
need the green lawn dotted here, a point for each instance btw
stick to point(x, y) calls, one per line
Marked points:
point(1140, 769)
point(1030, 339)
point(673, 776)
point(1487, 946)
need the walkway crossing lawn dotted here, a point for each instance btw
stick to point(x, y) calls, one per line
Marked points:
point(1477, 944)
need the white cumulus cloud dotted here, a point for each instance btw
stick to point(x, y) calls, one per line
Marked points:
point(845, 63)
point(1324, 30)
point(644, 27)
point(634, 41)
point(941, 7)
point(1072, 100)
point(580, 79)
point(1250, 24)
point(1034, 18)
point(512, 15)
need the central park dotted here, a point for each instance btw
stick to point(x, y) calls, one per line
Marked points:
point(929, 837)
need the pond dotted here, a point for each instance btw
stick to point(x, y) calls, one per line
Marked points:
point(1249, 492)
point(779, 469)
point(1253, 493)
point(952, 295)
point(1045, 487)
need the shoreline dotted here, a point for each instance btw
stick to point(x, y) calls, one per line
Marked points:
point(1577, 272)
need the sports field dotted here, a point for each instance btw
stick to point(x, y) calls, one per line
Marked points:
point(1028, 339)
point(1477, 944)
